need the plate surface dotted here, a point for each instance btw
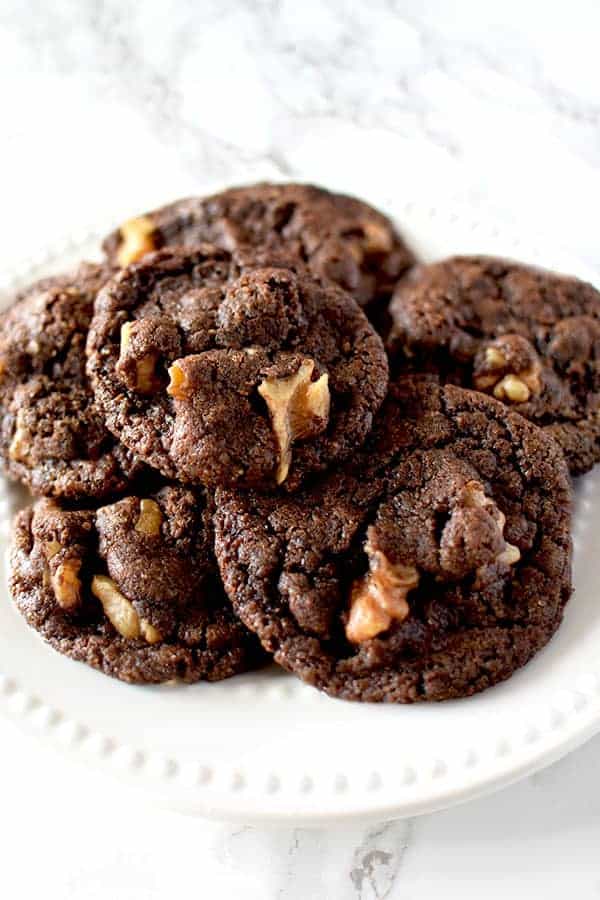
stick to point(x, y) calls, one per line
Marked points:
point(263, 746)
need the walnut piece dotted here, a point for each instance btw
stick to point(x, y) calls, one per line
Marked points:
point(510, 556)
point(377, 238)
point(178, 385)
point(51, 548)
point(121, 612)
point(494, 358)
point(150, 634)
point(514, 387)
point(20, 446)
point(474, 495)
point(379, 597)
point(137, 239)
point(66, 584)
point(298, 408)
point(150, 518)
point(145, 375)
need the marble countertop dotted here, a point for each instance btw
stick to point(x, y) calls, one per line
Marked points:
point(112, 107)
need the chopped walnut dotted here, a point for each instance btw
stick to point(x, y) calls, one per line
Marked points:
point(514, 388)
point(178, 385)
point(121, 612)
point(150, 518)
point(150, 634)
point(474, 495)
point(378, 238)
point(137, 239)
point(145, 367)
point(494, 358)
point(51, 548)
point(510, 556)
point(66, 584)
point(379, 597)
point(20, 446)
point(117, 608)
point(126, 329)
point(500, 374)
point(518, 388)
point(366, 619)
point(298, 408)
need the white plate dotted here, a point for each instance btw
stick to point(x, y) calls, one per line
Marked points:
point(266, 747)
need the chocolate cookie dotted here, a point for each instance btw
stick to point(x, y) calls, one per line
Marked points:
point(432, 566)
point(226, 376)
point(339, 237)
point(130, 589)
point(529, 337)
point(53, 437)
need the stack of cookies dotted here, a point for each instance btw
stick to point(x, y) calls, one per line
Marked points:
point(260, 429)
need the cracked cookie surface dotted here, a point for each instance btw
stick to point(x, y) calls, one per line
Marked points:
point(529, 337)
point(339, 237)
point(53, 437)
point(130, 589)
point(223, 374)
point(431, 566)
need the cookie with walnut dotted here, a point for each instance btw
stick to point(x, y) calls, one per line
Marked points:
point(53, 438)
point(130, 589)
point(529, 337)
point(431, 566)
point(223, 374)
point(339, 237)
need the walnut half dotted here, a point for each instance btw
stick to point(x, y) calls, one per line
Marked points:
point(298, 408)
point(379, 597)
point(121, 612)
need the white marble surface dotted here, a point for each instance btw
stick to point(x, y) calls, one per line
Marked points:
point(111, 107)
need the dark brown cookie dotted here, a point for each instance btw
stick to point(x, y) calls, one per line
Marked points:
point(432, 566)
point(130, 589)
point(529, 337)
point(273, 373)
point(53, 437)
point(339, 237)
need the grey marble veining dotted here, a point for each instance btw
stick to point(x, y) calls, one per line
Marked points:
point(120, 104)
